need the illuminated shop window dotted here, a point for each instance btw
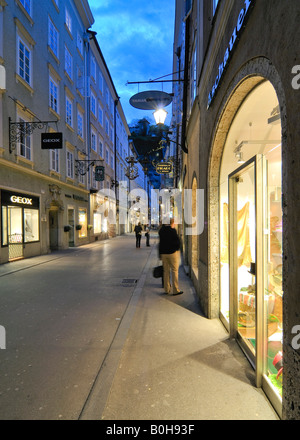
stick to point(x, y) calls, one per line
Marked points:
point(82, 221)
point(31, 225)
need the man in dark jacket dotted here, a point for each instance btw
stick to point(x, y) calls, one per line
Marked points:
point(169, 251)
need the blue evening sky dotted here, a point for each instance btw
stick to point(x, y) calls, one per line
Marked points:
point(136, 39)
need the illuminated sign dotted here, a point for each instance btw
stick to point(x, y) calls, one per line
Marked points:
point(164, 168)
point(233, 40)
point(10, 198)
point(21, 200)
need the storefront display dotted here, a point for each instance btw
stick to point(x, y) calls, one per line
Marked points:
point(20, 221)
point(251, 233)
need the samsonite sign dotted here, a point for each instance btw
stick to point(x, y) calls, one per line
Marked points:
point(51, 141)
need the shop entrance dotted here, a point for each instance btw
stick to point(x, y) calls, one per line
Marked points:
point(15, 232)
point(53, 229)
point(71, 222)
point(250, 225)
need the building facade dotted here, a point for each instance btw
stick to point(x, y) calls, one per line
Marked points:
point(239, 131)
point(56, 90)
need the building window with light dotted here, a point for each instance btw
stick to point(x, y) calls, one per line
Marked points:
point(24, 61)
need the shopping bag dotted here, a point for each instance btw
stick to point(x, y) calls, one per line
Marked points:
point(158, 272)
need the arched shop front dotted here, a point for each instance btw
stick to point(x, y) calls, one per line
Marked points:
point(249, 225)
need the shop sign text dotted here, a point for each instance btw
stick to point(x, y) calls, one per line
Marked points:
point(229, 50)
point(21, 200)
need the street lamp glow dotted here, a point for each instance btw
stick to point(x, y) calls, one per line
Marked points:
point(160, 116)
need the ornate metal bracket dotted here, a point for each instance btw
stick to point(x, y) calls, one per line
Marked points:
point(83, 166)
point(132, 171)
point(19, 130)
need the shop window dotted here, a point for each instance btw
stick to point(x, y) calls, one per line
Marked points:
point(4, 226)
point(82, 221)
point(97, 223)
point(255, 132)
point(31, 225)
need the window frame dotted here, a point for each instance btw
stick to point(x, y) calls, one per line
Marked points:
point(28, 64)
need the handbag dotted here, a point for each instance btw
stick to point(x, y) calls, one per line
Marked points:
point(158, 272)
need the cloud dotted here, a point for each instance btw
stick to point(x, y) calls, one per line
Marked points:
point(136, 38)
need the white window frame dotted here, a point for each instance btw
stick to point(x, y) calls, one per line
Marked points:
point(53, 95)
point(93, 140)
point(26, 5)
point(70, 164)
point(93, 104)
point(100, 148)
point(68, 21)
point(54, 160)
point(68, 63)
point(25, 69)
point(100, 114)
point(80, 43)
point(69, 111)
point(80, 123)
point(93, 67)
point(24, 145)
point(53, 38)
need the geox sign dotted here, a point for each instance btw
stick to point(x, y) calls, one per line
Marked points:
point(52, 141)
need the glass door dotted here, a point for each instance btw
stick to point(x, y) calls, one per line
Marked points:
point(243, 264)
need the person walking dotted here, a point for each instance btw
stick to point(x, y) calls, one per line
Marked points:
point(138, 235)
point(169, 251)
point(147, 235)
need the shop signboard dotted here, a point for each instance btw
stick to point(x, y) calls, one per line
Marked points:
point(164, 168)
point(12, 198)
point(99, 173)
point(51, 141)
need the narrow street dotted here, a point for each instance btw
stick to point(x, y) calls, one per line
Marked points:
point(90, 335)
point(61, 315)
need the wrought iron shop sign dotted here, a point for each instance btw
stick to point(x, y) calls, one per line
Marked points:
point(231, 45)
point(164, 168)
point(99, 173)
